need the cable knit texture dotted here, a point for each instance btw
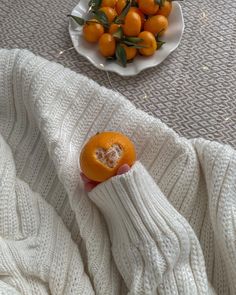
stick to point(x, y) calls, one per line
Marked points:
point(165, 227)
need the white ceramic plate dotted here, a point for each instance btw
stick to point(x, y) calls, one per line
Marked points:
point(172, 38)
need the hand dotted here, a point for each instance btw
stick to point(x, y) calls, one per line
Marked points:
point(90, 184)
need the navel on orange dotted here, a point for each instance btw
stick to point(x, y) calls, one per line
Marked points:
point(104, 153)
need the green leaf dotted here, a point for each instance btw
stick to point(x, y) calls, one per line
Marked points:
point(77, 19)
point(160, 2)
point(133, 39)
point(130, 44)
point(95, 4)
point(110, 58)
point(120, 19)
point(92, 22)
point(119, 33)
point(125, 9)
point(159, 34)
point(160, 44)
point(121, 55)
point(116, 20)
point(133, 42)
point(102, 18)
point(134, 3)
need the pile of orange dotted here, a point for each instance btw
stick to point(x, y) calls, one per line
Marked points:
point(126, 28)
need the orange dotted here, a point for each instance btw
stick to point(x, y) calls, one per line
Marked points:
point(149, 41)
point(108, 3)
point(165, 9)
point(132, 25)
point(92, 31)
point(109, 12)
point(135, 9)
point(104, 153)
point(120, 5)
point(148, 6)
point(107, 45)
point(113, 28)
point(130, 51)
point(156, 24)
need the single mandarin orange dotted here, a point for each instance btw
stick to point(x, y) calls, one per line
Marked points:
point(165, 9)
point(92, 30)
point(120, 5)
point(132, 25)
point(135, 9)
point(104, 153)
point(109, 12)
point(156, 24)
point(107, 45)
point(149, 42)
point(113, 28)
point(108, 3)
point(129, 51)
point(148, 7)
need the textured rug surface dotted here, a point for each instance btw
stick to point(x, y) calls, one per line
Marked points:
point(193, 90)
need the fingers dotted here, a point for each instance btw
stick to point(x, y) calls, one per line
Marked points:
point(84, 178)
point(123, 169)
point(90, 184)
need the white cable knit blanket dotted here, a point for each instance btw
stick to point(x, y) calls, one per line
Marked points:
point(168, 226)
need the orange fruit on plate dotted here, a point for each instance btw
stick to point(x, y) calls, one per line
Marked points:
point(156, 24)
point(149, 42)
point(120, 5)
point(130, 51)
point(104, 153)
point(109, 12)
point(165, 9)
point(148, 7)
point(132, 25)
point(135, 9)
point(107, 45)
point(113, 28)
point(92, 31)
point(108, 3)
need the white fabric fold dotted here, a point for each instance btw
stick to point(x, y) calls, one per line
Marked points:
point(154, 247)
point(55, 240)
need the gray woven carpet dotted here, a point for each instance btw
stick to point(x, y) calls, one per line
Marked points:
point(194, 89)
